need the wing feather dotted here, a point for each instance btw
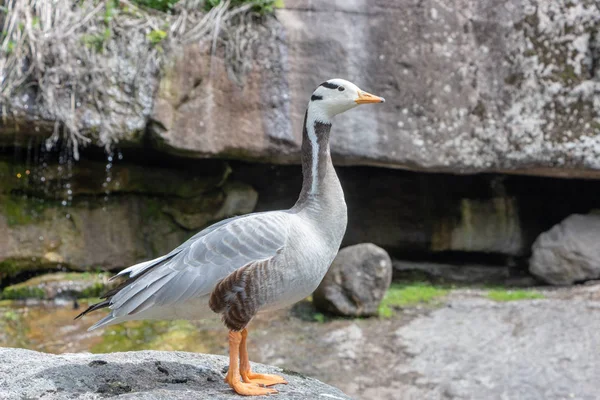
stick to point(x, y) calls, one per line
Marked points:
point(198, 265)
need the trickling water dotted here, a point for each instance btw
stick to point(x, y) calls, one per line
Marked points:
point(108, 175)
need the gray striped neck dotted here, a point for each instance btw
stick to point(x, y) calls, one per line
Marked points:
point(316, 159)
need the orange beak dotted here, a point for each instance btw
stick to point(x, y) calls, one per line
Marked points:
point(365, 98)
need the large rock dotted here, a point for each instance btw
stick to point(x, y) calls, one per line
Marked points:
point(356, 282)
point(135, 375)
point(66, 285)
point(471, 86)
point(569, 252)
point(92, 215)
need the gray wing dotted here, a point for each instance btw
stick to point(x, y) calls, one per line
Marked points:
point(194, 268)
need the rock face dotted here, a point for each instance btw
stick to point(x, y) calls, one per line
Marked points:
point(535, 343)
point(101, 216)
point(463, 273)
point(60, 285)
point(356, 282)
point(569, 252)
point(135, 375)
point(470, 87)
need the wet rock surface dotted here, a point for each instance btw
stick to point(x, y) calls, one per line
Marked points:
point(465, 346)
point(463, 273)
point(356, 281)
point(135, 375)
point(569, 252)
point(91, 215)
point(64, 285)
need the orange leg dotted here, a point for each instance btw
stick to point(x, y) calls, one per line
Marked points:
point(233, 374)
point(250, 377)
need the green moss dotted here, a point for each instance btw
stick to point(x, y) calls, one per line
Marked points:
point(10, 267)
point(409, 294)
point(319, 317)
point(86, 285)
point(513, 295)
point(21, 210)
point(260, 6)
point(159, 335)
point(156, 36)
point(160, 5)
point(152, 210)
point(18, 292)
point(96, 290)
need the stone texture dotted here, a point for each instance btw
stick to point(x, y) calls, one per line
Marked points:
point(356, 281)
point(471, 86)
point(91, 215)
point(463, 273)
point(124, 80)
point(569, 252)
point(201, 112)
point(65, 285)
point(477, 349)
point(135, 375)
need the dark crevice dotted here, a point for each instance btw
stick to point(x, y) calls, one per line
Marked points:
point(411, 214)
point(595, 54)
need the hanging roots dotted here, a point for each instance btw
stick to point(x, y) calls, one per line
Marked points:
point(92, 66)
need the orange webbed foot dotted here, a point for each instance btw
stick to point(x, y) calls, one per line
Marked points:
point(263, 379)
point(248, 389)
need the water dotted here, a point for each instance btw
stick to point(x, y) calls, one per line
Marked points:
point(50, 327)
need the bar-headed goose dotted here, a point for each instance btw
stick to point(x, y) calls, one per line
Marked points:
point(252, 263)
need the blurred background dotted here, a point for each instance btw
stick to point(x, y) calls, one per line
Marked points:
point(469, 264)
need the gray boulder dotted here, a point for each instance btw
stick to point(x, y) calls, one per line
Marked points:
point(569, 252)
point(356, 282)
point(155, 375)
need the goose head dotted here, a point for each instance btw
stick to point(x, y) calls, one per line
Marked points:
point(336, 96)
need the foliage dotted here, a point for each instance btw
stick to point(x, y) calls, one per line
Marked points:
point(409, 294)
point(21, 211)
point(19, 292)
point(158, 335)
point(157, 36)
point(513, 295)
point(260, 6)
point(53, 46)
point(160, 5)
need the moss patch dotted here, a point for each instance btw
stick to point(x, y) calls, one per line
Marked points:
point(19, 293)
point(514, 295)
point(160, 5)
point(159, 335)
point(408, 295)
point(47, 286)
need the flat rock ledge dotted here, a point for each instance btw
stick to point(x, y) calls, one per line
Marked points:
point(26, 374)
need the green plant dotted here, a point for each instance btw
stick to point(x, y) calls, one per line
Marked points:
point(513, 295)
point(260, 6)
point(160, 5)
point(319, 317)
point(156, 36)
point(409, 294)
point(17, 292)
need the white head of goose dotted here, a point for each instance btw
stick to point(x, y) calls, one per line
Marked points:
point(252, 263)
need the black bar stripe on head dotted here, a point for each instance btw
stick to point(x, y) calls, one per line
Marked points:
point(329, 85)
point(316, 97)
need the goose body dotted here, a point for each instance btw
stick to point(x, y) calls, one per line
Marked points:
point(253, 263)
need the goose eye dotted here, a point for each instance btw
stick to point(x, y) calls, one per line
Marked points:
point(341, 88)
